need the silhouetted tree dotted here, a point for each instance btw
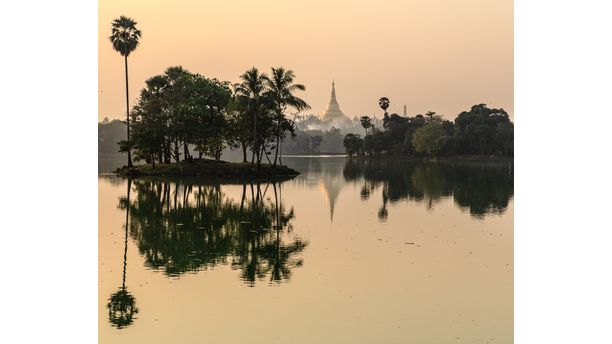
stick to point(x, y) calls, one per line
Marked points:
point(430, 139)
point(479, 131)
point(366, 123)
point(125, 38)
point(252, 88)
point(353, 144)
point(476, 130)
point(240, 130)
point(280, 89)
point(384, 104)
point(180, 109)
point(505, 137)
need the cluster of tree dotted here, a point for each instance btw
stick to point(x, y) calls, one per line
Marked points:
point(303, 142)
point(179, 111)
point(315, 141)
point(319, 141)
point(483, 188)
point(479, 131)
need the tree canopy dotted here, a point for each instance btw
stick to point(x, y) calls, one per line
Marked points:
point(124, 35)
point(480, 131)
point(179, 112)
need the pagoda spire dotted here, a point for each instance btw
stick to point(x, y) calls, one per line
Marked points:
point(333, 111)
point(333, 94)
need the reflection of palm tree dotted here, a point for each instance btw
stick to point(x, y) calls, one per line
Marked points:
point(121, 304)
point(383, 213)
point(278, 256)
point(205, 228)
point(121, 308)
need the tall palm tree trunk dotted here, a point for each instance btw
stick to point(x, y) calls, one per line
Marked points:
point(280, 157)
point(127, 102)
point(276, 213)
point(255, 146)
point(276, 152)
point(167, 152)
point(267, 157)
point(244, 152)
point(185, 151)
point(278, 135)
point(259, 155)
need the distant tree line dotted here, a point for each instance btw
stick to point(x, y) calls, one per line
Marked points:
point(180, 115)
point(479, 131)
point(109, 133)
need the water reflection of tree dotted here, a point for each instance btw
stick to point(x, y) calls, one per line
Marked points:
point(483, 188)
point(121, 304)
point(186, 227)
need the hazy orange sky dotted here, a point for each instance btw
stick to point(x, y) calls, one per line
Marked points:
point(439, 55)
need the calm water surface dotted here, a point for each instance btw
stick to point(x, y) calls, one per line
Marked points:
point(347, 252)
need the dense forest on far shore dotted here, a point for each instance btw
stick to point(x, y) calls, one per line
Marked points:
point(481, 131)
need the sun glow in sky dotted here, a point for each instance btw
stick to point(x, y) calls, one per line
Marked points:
point(439, 55)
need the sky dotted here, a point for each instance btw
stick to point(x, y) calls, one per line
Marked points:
point(431, 55)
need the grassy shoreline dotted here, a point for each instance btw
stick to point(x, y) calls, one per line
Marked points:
point(210, 169)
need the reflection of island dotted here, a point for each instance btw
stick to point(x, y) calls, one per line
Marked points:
point(483, 188)
point(186, 227)
point(121, 304)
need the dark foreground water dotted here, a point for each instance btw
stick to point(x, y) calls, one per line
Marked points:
point(347, 252)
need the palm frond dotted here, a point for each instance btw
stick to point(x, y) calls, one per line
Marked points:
point(124, 35)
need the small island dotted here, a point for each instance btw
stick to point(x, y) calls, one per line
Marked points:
point(211, 169)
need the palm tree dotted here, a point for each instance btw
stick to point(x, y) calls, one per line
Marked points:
point(430, 116)
point(366, 123)
point(252, 88)
point(280, 89)
point(384, 103)
point(125, 37)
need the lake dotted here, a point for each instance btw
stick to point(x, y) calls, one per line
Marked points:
point(349, 251)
